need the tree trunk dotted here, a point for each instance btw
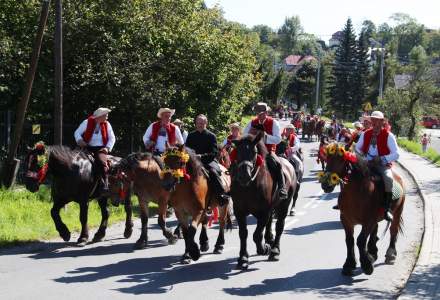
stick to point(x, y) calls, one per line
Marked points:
point(412, 127)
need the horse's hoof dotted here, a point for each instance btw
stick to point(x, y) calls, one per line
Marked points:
point(185, 259)
point(82, 241)
point(243, 263)
point(347, 271)
point(367, 266)
point(204, 247)
point(265, 250)
point(292, 213)
point(127, 232)
point(194, 252)
point(274, 254)
point(98, 237)
point(172, 240)
point(178, 233)
point(140, 244)
point(390, 260)
point(65, 236)
point(218, 249)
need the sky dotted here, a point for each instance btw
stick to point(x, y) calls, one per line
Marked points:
point(324, 17)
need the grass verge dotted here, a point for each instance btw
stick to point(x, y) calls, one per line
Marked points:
point(416, 148)
point(25, 216)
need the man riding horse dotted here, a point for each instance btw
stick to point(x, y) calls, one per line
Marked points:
point(161, 132)
point(272, 137)
point(204, 143)
point(292, 150)
point(380, 148)
point(96, 134)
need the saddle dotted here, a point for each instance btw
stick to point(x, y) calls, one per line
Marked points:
point(397, 190)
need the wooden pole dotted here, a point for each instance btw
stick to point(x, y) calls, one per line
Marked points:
point(58, 108)
point(11, 167)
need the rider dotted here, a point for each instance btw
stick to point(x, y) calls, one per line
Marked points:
point(204, 143)
point(161, 132)
point(272, 137)
point(380, 148)
point(293, 149)
point(96, 134)
point(235, 134)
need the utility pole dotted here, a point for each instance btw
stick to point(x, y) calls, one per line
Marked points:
point(381, 71)
point(58, 107)
point(11, 167)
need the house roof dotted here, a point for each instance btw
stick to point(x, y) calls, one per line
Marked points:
point(294, 60)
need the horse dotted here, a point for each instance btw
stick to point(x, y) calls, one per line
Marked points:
point(142, 171)
point(319, 129)
point(299, 171)
point(308, 129)
point(73, 179)
point(254, 192)
point(186, 179)
point(322, 155)
point(360, 204)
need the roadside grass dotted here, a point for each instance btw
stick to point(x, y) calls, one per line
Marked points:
point(25, 216)
point(416, 148)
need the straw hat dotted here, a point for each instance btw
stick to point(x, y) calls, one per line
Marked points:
point(101, 112)
point(290, 126)
point(376, 115)
point(357, 124)
point(164, 110)
point(178, 122)
point(234, 125)
point(261, 107)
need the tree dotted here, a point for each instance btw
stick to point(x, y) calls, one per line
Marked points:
point(361, 74)
point(341, 89)
point(278, 87)
point(288, 35)
point(302, 85)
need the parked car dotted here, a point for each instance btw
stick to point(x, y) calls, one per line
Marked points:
point(430, 122)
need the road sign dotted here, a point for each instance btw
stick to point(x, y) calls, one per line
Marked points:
point(36, 129)
point(367, 106)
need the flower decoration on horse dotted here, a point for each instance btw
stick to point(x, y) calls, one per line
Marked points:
point(337, 160)
point(175, 160)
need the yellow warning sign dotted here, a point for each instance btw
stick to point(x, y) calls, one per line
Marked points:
point(367, 106)
point(36, 129)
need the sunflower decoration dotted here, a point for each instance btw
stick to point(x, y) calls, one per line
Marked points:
point(334, 179)
point(320, 175)
point(331, 149)
point(41, 153)
point(341, 151)
point(178, 173)
point(182, 155)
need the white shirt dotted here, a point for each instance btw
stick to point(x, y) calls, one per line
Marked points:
point(296, 145)
point(274, 139)
point(373, 152)
point(185, 135)
point(162, 139)
point(96, 139)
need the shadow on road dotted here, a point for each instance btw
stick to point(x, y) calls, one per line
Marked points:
point(308, 229)
point(327, 283)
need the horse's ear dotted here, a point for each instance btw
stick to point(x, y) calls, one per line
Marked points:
point(180, 147)
point(258, 137)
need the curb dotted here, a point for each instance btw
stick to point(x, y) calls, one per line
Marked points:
point(426, 244)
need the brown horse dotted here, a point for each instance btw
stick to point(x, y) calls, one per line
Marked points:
point(185, 178)
point(360, 203)
point(254, 192)
point(308, 129)
point(319, 128)
point(143, 171)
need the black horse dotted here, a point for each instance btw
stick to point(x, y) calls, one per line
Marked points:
point(73, 179)
point(254, 193)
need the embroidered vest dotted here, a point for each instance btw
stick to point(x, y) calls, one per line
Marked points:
point(171, 132)
point(382, 142)
point(268, 125)
point(91, 125)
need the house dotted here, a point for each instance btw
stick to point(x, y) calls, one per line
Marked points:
point(292, 63)
point(336, 39)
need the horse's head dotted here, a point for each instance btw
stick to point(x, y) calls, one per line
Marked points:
point(246, 157)
point(35, 167)
point(175, 160)
point(119, 184)
point(338, 163)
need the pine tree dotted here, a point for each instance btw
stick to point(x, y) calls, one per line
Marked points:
point(341, 89)
point(361, 74)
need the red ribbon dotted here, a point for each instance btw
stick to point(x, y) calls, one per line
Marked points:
point(351, 157)
point(42, 173)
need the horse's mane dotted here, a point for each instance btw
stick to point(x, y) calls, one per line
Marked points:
point(132, 161)
point(195, 164)
point(64, 156)
point(261, 148)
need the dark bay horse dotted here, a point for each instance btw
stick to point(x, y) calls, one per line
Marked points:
point(185, 178)
point(144, 173)
point(253, 192)
point(319, 128)
point(73, 179)
point(360, 203)
point(308, 129)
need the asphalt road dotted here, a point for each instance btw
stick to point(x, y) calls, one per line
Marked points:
point(312, 254)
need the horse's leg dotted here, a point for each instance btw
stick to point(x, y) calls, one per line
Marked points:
point(365, 258)
point(243, 260)
point(282, 210)
point(128, 216)
point(83, 217)
point(161, 220)
point(390, 256)
point(372, 248)
point(59, 225)
point(295, 197)
point(203, 238)
point(100, 234)
point(141, 243)
point(186, 257)
point(350, 261)
point(193, 248)
point(262, 221)
point(224, 218)
point(268, 234)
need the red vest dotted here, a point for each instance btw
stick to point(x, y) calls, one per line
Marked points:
point(292, 139)
point(382, 142)
point(171, 132)
point(91, 124)
point(268, 125)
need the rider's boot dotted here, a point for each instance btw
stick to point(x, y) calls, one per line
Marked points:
point(387, 206)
